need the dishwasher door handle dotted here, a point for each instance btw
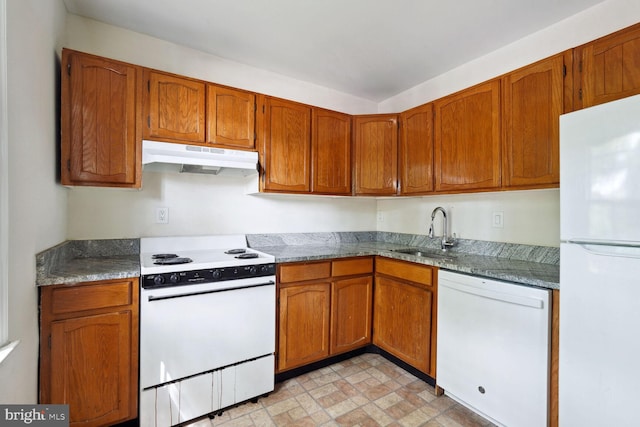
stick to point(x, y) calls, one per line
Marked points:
point(494, 295)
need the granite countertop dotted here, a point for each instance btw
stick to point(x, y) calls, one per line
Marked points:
point(92, 260)
point(78, 261)
point(523, 264)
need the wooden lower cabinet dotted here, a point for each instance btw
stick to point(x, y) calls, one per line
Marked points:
point(303, 324)
point(89, 350)
point(324, 308)
point(350, 315)
point(404, 320)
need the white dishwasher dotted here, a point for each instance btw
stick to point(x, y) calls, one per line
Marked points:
point(493, 348)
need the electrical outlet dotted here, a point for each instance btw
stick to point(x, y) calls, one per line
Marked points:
point(380, 217)
point(498, 220)
point(162, 215)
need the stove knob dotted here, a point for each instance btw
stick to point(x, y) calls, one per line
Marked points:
point(175, 278)
point(253, 269)
point(216, 274)
point(158, 280)
point(264, 269)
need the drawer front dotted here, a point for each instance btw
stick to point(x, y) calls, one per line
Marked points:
point(299, 272)
point(348, 267)
point(69, 299)
point(405, 270)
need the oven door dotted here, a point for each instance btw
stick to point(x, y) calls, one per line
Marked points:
point(186, 330)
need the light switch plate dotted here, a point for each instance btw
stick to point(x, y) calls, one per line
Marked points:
point(497, 220)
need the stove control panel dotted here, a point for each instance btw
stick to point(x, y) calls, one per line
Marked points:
point(180, 278)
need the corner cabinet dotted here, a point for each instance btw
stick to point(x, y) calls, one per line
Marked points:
point(324, 308)
point(174, 108)
point(376, 152)
point(285, 145)
point(405, 312)
point(100, 121)
point(534, 98)
point(89, 350)
point(467, 139)
point(608, 68)
point(416, 151)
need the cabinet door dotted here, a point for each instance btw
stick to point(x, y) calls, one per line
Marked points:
point(99, 121)
point(402, 321)
point(376, 139)
point(91, 367)
point(287, 146)
point(230, 117)
point(533, 102)
point(467, 139)
point(331, 145)
point(416, 150)
point(351, 301)
point(303, 324)
point(175, 108)
point(608, 68)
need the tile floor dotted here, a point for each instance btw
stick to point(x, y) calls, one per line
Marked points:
point(366, 390)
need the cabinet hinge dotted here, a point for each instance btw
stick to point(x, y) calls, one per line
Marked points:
point(263, 109)
point(148, 85)
point(564, 70)
point(580, 66)
point(68, 68)
point(148, 121)
point(68, 168)
point(580, 94)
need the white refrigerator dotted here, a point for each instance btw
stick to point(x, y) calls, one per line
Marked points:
point(599, 372)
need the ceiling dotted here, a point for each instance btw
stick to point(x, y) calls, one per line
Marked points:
point(372, 49)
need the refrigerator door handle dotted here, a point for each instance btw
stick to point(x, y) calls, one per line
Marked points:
point(604, 243)
point(629, 250)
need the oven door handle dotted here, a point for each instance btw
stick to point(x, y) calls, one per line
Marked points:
point(212, 291)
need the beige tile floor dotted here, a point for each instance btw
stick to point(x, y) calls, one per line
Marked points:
point(366, 390)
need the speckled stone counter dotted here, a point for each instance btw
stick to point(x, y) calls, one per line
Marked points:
point(524, 264)
point(87, 261)
point(91, 260)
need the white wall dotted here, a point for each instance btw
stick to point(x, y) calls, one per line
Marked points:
point(530, 217)
point(37, 206)
point(205, 204)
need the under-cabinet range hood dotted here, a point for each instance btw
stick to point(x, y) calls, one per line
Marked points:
point(165, 156)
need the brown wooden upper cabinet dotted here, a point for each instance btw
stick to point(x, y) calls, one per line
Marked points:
point(100, 132)
point(230, 117)
point(416, 150)
point(376, 151)
point(331, 152)
point(285, 146)
point(174, 108)
point(608, 68)
point(534, 99)
point(467, 139)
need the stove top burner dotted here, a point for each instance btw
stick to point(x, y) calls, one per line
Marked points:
point(246, 255)
point(235, 251)
point(172, 260)
point(163, 256)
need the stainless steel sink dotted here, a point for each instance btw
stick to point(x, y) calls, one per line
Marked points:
point(427, 253)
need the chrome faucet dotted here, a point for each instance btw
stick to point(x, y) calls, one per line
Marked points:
point(446, 242)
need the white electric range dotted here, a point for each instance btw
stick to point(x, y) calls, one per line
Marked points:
point(207, 326)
